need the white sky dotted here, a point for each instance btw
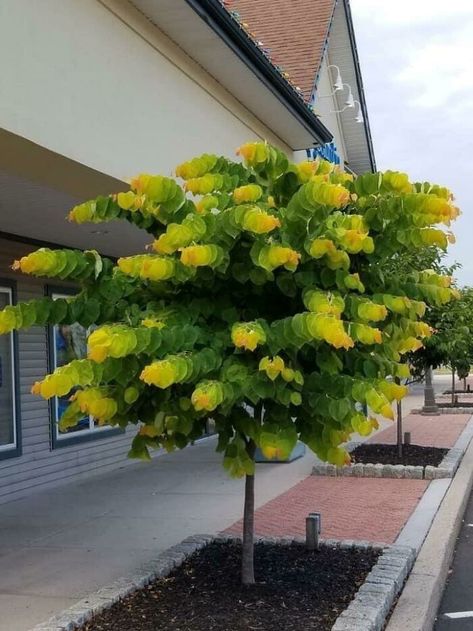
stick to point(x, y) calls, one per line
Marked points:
point(417, 65)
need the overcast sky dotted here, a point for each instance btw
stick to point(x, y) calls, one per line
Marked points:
point(416, 60)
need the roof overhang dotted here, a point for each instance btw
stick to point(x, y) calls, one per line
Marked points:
point(206, 31)
point(38, 188)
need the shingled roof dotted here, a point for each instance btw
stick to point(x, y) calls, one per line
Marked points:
point(294, 31)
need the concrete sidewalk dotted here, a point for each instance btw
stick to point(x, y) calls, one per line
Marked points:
point(59, 545)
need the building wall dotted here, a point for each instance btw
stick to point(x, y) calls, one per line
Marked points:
point(40, 466)
point(97, 82)
point(326, 108)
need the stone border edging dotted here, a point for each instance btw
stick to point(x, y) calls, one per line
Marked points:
point(446, 468)
point(105, 597)
point(443, 410)
point(418, 604)
point(373, 601)
point(366, 612)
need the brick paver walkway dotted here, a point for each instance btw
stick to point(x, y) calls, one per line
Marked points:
point(431, 431)
point(375, 509)
point(352, 508)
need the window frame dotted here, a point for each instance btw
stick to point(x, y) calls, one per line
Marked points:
point(13, 450)
point(83, 436)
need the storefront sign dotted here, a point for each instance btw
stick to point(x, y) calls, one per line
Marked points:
point(327, 152)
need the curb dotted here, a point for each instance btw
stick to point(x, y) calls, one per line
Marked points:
point(446, 468)
point(417, 607)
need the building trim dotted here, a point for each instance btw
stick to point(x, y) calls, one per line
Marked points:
point(16, 450)
point(359, 83)
point(214, 14)
point(16, 238)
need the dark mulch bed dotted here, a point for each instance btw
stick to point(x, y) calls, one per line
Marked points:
point(414, 455)
point(296, 590)
point(458, 392)
point(460, 404)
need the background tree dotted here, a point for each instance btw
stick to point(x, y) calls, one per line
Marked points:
point(264, 306)
point(402, 264)
point(452, 342)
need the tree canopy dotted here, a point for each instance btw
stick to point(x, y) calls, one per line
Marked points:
point(452, 342)
point(268, 302)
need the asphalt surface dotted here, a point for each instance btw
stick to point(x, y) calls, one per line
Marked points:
point(458, 595)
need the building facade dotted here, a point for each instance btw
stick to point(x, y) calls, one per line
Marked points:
point(91, 93)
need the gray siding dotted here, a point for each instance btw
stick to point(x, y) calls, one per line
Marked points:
point(40, 466)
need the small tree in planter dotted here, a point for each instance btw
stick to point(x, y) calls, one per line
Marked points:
point(420, 360)
point(452, 342)
point(263, 306)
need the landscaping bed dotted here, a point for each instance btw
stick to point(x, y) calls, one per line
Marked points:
point(459, 404)
point(296, 589)
point(414, 455)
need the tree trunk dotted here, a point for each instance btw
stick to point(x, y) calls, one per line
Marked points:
point(399, 423)
point(430, 406)
point(247, 560)
point(453, 386)
point(464, 384)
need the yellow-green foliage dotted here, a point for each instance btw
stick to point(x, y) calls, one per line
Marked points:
point(265, 289)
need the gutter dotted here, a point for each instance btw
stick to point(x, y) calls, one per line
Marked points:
point(359, 82)
point(214, 14)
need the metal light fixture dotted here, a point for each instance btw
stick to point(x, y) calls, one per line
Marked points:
point(338, 85)
point(359, 117)
point(350, 102)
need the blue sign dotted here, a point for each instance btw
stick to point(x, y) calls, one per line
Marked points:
point(327, 152)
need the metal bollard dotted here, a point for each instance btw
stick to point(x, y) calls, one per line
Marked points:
point(312, 531)
point(407, 438)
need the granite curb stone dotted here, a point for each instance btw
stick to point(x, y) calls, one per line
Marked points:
point(446, 469)
point(443, 410)
point(373, 601)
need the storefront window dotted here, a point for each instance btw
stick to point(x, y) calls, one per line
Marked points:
point(8, 438)
point(69, 342)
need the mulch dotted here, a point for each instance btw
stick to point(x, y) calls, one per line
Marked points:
point(415, 455)
point(460, 404)
point(296, 589)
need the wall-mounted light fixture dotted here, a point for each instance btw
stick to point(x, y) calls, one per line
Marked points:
point(359, 117)
point(338, 84)
point(349, 103)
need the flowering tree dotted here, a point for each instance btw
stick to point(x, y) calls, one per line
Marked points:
point(263, 306)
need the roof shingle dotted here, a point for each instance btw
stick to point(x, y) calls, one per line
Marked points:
point(294, 31)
